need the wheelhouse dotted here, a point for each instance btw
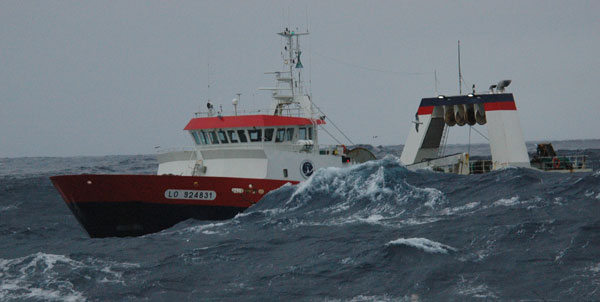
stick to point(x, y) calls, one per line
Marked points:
point(245, 130)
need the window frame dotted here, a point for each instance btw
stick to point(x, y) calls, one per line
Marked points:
point(289, 134)
point(204, 138)
point(196, 137)
point(231, 134)
point(268, 130)
point(242, 136)
point(222, 137)
point(280, 135)
point(214, 138)
point(258, 139)
point(302, 133)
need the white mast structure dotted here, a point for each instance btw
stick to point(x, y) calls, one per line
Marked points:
point(289, 97)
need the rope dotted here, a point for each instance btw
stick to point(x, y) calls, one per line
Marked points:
point(332, 123)
point(323, 128)
point(360, 67)
point(338, 129)
point(480, 133)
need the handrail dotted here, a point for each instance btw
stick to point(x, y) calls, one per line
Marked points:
point(328, 149)
point(292, 112)
point(562, 162)
point(480, 166)
point(175, 149)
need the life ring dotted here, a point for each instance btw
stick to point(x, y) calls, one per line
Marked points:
point(556, 163)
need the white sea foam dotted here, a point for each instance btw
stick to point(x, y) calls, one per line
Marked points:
point(345, 184)
point(339, 207)
point(330, 172)
point(207, 229)
point(423, 244)
point(19, 279)
point(435, 196)
point(507, 202)
point(467, 207)
point(516, 201)
point(589, 193)
point(419, 221)
point(384, 298)
point(363, 193)
point(42, 276)
point(8, 208)
point(562, 253)
point(348, 181)
point(374, 218)
point(594, 268)
point(478, 291)
point(380, 298)
point(473, 288)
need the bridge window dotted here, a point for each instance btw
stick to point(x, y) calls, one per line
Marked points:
point(302, 133)
point(196, 137)
point(204, 138)
point(310, 132)
point(280, 137)
point(255, 135)
point(223, 137)
point(213, 137)
point(242, 134)
point(233, 137)
point(269, 134)
point(289, 134)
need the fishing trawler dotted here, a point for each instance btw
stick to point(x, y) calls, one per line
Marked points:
point(495, 109)
point(236, 160)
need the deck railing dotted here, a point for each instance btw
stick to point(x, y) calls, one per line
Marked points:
point(292, 112)
point(480, 166)
point(568, 162)
point(322, 149)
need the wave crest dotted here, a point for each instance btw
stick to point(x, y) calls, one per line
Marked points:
point(372, 192)
point(423, 244)
point(49, 277)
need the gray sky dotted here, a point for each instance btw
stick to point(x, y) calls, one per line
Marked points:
point(121, 77)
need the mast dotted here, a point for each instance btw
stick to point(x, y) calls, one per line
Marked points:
point(288, 95)
point(459, 72)
point(293, 57)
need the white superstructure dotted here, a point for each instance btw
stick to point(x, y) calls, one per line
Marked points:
point(283, 144)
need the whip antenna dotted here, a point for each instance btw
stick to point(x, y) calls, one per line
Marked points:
point(459, 72)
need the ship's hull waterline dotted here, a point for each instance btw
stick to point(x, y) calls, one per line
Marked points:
point(134, 205)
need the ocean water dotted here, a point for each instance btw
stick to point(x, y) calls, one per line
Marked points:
point(372, 232)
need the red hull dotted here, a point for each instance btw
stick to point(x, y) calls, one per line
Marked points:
point(133, 205)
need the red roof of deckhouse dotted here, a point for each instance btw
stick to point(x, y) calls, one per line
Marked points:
point(244, 121)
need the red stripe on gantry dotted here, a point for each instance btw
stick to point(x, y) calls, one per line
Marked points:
point(425, 110)
point(499, 106)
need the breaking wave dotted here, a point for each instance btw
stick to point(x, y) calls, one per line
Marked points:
point(374, 193)
point(423, 244)
point(51, 277)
